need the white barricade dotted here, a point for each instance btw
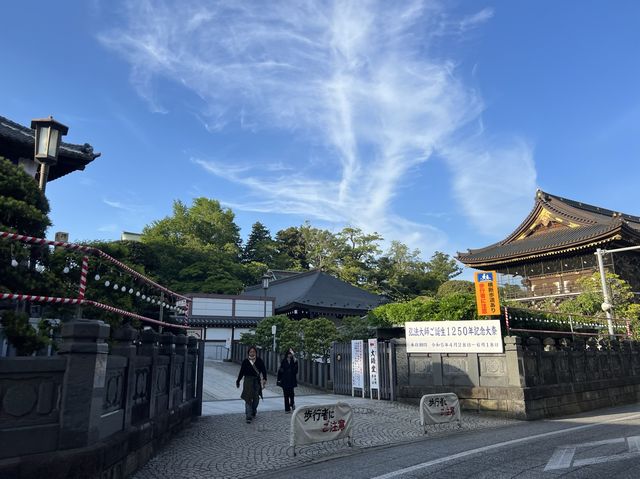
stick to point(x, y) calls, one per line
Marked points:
point(320, 423)
point(439, 409)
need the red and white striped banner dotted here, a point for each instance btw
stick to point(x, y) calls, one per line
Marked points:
point(54, 300)
point(89, 250)
point(40, 299)
point(83, 277)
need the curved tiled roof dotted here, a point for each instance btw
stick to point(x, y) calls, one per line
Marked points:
point(17, 141)
point(319, 290)
point(583, 226)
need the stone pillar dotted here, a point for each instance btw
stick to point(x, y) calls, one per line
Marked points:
point(123, 339)
point(83, 385)
point(401, 361)
point(515, 361)
point(181, 350)
point(149, 347)
point(192, 354)
point(200, 378)
point(166, 349)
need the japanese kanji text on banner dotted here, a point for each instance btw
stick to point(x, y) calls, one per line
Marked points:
point(319, 423)
point(476, 336)
point(439, 409)
point(357, 365)
point(487, 293)
point(373, 365)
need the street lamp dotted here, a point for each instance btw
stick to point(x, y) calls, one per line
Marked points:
point(265, 286)
point(48, 136)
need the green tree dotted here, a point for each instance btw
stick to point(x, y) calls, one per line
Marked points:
point(319, 334)
point(456, 307)
point(357, 255)
point(455, 286)
point(260, 247)
point(24, 337)
point(396, 314)
point(321, 248)
point(442, 267)
point(261, 335)
point(23, 210)
point(401, 274)
point(354, 327)
point(204, 225)
point(589, 301)
point(290, 250)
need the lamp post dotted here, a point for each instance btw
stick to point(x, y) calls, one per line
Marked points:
point(265, 286)
point(48, 136)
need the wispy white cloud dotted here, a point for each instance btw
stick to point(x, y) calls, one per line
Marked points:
point(358, 78)
point(109, 228)
point(119, 205)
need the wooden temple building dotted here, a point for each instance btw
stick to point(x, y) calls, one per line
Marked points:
point(314, 294)
point(554, 246)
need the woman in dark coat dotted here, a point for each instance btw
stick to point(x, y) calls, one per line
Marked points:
point(287, 379)
point(255, 378)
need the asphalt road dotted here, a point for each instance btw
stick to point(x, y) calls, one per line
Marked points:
point(601, 444)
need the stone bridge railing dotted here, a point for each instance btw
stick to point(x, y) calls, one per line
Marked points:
point(531, 379)
point(94, 409)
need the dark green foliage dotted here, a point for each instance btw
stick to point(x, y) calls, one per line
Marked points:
point(23, 210)
point(451, 307)
point(24, 337)
point(354, 327)
point(456, 286)
point(260, 247)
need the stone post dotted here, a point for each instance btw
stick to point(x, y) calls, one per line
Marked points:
point(401, 361)
point(123, 339)
point(149, 347)
point(200, 377)
point(166, 349)
point(181, 350)
point(83, 385)
point(515, 361)
point(192, 354)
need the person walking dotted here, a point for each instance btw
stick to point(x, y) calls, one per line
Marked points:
point(254, 373)
point(287, 379)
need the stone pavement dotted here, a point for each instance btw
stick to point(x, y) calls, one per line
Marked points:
point(221, 445)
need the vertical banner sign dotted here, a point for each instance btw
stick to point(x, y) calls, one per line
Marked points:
point(372, 351)
point(357, 366)
point(487, 293)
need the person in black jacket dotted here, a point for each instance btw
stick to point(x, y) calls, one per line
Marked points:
point(287, 379)
point(255, 378)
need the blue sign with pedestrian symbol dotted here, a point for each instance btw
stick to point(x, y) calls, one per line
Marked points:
point(485, 277)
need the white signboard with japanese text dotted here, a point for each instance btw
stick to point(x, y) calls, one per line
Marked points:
point(439, 409)
point(357, 365)
point(321, 422)
point(372, 351)
point(479, 336)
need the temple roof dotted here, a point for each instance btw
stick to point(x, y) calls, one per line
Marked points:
point(16, 141)
point(318, 290)
point(556, 226)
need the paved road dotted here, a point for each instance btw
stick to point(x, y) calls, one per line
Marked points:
point(221, 445)
point(591, 446)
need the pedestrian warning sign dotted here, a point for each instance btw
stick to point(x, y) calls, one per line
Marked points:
point(487, 293)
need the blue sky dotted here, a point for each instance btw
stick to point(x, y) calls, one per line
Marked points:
point(432, 123)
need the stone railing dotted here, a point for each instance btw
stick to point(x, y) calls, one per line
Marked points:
point(310, 373)
point(528, 381)
point(90, 412)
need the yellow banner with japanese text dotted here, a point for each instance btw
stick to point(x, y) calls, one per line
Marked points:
point(487, 293)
